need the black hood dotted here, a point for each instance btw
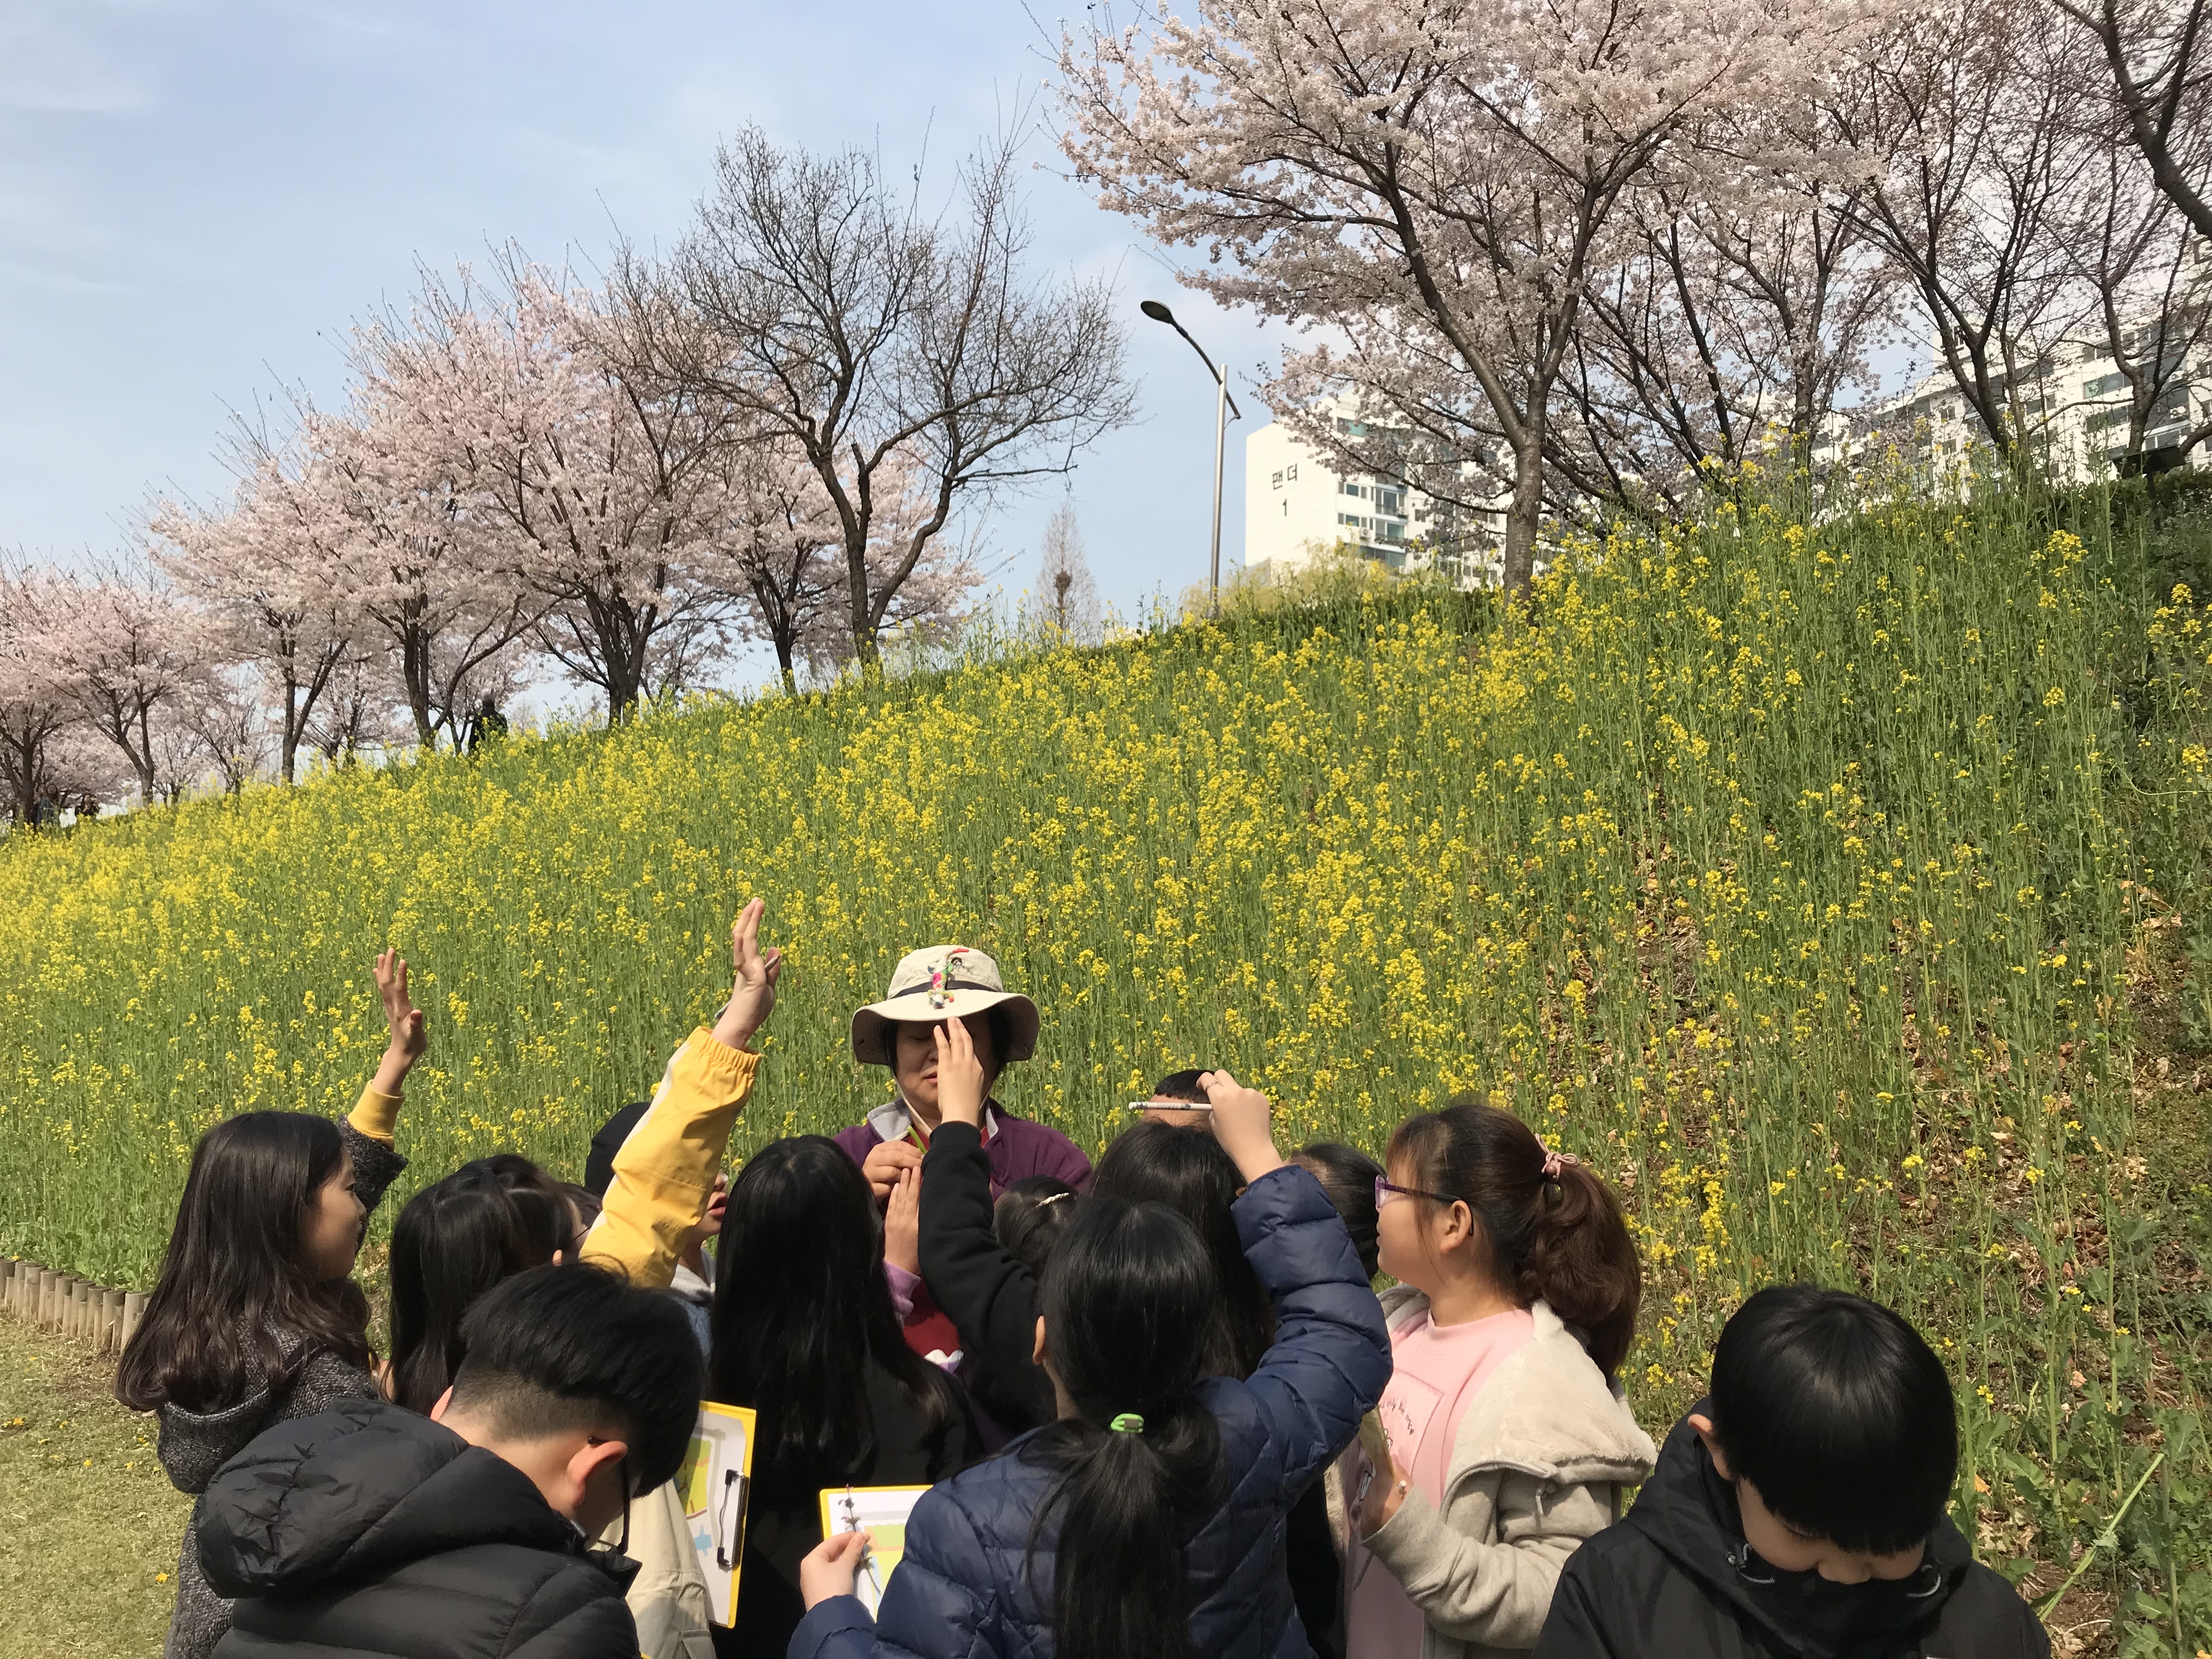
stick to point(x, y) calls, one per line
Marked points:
point(1690, 1514)
point(360, 1489)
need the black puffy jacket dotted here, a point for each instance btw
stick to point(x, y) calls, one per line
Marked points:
point(370, 1531)
point(1673, 1581)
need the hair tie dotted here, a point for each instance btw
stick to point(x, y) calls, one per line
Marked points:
point(1555, 1163)
point(1127, 1423)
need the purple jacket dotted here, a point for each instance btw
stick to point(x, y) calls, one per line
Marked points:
point(1018, 1148)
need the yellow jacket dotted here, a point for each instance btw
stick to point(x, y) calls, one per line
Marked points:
point(664, 1172)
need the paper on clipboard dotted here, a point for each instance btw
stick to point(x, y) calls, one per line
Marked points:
point(716, 1480)
point(880, 1512)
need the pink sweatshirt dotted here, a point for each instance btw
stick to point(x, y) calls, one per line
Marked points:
point(1438, 1371)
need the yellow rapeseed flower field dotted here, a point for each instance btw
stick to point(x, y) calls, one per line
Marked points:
point(1773, 866)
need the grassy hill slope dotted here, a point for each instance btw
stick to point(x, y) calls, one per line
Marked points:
point(1827, 886)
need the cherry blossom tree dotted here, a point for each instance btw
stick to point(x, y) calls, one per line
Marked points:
point(2158, 58)
point(835, 316)
point(355, 711)
point(266, 576)
point(779, 552)
point(2148, 301)
point(1439, 182)
point(1734, 322)
point(42, 758)
point(127, 653)
point(602, 486)
point(220, 727)
point(415, 558)
point(1974, 110)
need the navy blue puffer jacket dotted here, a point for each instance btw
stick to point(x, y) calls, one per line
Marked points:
point(963, 1589)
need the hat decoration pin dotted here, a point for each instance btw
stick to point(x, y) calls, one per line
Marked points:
point(938, 996)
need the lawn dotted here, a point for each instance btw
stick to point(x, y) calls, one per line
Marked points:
point(88, 1523)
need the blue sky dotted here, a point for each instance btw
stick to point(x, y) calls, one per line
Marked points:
point(196, 198)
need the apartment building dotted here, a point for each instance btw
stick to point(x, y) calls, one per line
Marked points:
point(1299, 509)
point(2072, 408)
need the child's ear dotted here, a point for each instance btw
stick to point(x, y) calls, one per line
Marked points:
point(1704, 1425)
point(587, 1460)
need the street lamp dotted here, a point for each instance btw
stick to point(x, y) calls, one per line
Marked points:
point(1224, 408)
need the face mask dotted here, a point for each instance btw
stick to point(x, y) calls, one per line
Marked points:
point(1839, 1619)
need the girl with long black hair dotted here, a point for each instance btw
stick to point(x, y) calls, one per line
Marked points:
point(255, 1317)
point(487, 1221)
point(1148, 1518)
point(804, 1332)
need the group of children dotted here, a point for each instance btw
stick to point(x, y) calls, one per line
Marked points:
point(1159, 1405)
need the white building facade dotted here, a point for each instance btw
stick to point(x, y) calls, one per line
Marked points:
point(1300, 511)
point(2072, 407)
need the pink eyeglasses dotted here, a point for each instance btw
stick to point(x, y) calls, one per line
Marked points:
point(1383, 1189)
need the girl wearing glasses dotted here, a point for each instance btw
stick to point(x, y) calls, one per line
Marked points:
point(1508, 1442)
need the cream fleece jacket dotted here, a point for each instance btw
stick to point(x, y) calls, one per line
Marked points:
point(1543, 1450)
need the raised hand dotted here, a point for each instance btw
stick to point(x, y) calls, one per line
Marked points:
point(959, 1075)
point(1240, 1123)
point(754, 972)
point(402, 1020)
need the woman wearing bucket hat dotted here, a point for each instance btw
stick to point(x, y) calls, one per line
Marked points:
point(929, 987)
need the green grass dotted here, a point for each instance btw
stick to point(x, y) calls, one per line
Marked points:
point(90, 1525)
point(1841, 886)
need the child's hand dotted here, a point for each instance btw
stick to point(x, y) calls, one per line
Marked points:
point(903, 1223)
point(755, 972)
point(402, 1020)
point(959, 1075)
point(829, 1568)
point(1240, 1124)
point(1385, 1493)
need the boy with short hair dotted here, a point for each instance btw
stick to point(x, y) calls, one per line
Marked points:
point(1798, 1510)
point(369, 1530)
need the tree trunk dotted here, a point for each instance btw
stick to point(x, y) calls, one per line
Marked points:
point(288, 757)
point(23, 748)
point(415, 670)
point(784, 643)
point(1523, 517)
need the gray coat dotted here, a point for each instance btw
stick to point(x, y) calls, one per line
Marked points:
point(194, 1446)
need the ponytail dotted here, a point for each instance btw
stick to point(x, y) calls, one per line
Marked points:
point(1130, 1302)
point(1555, 1231)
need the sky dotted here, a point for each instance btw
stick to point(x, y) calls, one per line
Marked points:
point(196, 199)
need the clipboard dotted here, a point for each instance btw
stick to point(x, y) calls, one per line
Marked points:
point(716, 1481)
point(880, 1512)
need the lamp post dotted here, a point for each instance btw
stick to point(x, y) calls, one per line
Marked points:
point(1224, 408)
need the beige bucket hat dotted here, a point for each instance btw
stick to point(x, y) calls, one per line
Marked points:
point(939, 982)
